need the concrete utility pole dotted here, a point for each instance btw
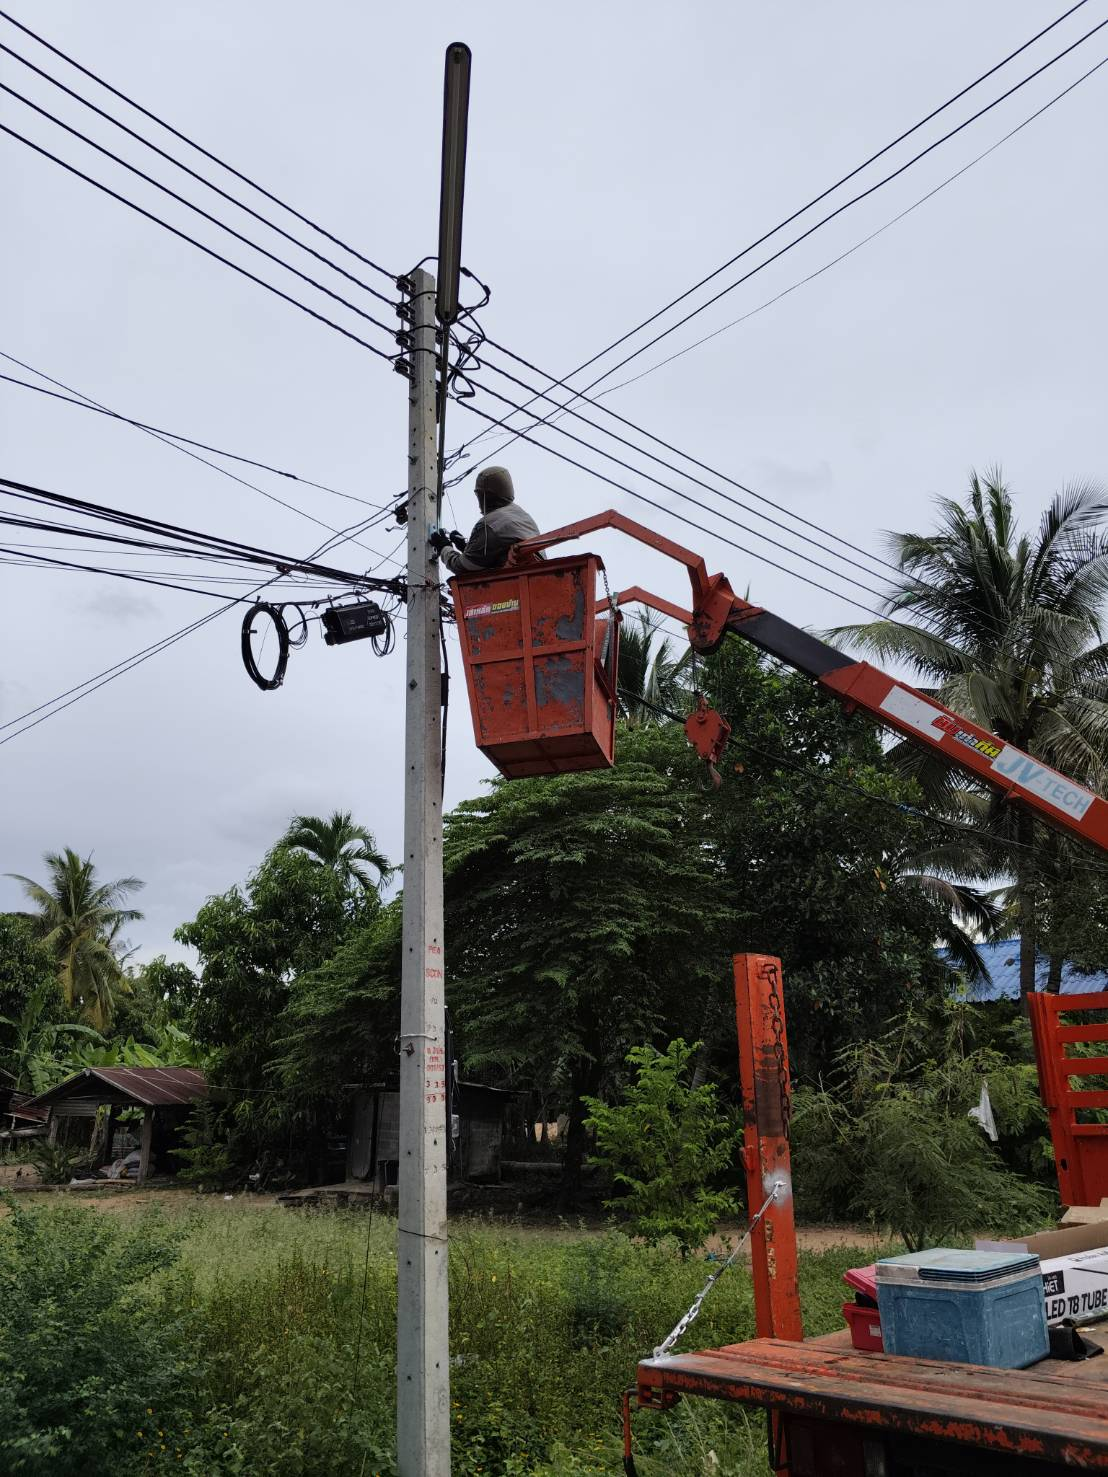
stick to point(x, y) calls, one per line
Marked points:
point(422, 1338)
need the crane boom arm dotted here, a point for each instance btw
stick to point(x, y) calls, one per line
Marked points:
point(716, 609)
point(923, 720)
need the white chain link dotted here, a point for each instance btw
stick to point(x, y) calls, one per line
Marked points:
point(667, 1344)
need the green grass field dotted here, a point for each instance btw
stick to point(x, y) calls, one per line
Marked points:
point(283, 1325)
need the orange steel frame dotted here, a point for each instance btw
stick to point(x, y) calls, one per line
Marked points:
point(716, 609)
point(834, 1411)
point(1080, 1149)
point(500, 664)
point(764, 1074)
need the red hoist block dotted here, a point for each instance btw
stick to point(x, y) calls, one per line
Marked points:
point(541, 653)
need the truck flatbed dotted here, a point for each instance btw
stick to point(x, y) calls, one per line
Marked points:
point(907, 1413)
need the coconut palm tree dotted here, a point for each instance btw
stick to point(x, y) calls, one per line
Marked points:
point(337, 843)
point(1005, 628)
point(650, 676)
point(80, 920)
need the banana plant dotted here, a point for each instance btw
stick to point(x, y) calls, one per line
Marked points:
point(43, 1052)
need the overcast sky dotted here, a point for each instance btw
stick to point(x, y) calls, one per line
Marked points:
point(618, 153)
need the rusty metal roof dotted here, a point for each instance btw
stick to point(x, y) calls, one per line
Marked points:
point(150, 1087)
point(21, 1105)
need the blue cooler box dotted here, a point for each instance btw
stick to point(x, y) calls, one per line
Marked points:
point(971, 1307)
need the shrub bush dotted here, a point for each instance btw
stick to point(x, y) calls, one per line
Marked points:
point(91, 1353)
point(56, 1163)
point(888, 1138)
point(667, 1144)
point(239, 1340)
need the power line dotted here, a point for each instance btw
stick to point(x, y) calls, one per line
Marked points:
point(834, 262)
point(561, 430)
point(552, 424)
point(873, 558)
point(756, 533)
point(371, 319)
point(391, 358)
point(684, 518)
point(192, 173)
point(131, 547)
point(22, 557)
point(192, 144)
point(92, 684)
point(208, 250)
point(48, 562)
point(215, 543)
point(85, 403)
point(700, 527)
point(830, 190)
point(166, 438)
point(177, 556)
point(642, 497)
point(142, 550)
point(688, 498)
point(823, 221)
point(312, 281)
point(199, 210)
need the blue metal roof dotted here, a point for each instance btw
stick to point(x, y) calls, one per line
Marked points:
point(1002, 960)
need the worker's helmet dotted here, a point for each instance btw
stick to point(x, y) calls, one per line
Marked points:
point(494, 488)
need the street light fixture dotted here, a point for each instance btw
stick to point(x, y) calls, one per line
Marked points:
point(455, 118)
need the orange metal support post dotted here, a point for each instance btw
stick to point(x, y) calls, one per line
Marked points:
point(764, 1072)
point(1080, 1147)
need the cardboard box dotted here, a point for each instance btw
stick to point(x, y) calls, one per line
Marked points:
point(1074, 1266)
point(1048, 1244)
point(1086, 1215)
point(1076, 1286)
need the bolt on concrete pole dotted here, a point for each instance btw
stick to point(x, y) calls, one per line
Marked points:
point(422, 1333)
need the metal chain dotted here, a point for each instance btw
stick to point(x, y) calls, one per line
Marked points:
point(778, 1028)
point(682, 1324)
point(607, 590)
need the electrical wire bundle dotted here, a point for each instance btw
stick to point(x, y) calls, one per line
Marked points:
point(152, 535)
point(183, 543)
point(467, 363)
point(479, 355)
point(342, 623)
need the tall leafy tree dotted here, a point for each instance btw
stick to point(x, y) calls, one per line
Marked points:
point(585, 915)
point(80, 919)
point(341, 845)
point(1006, 628)
point(339, 1026)
point(588, 914)
point(161, 996)
point(822, 841)
point(24, 962)
point(254, 942)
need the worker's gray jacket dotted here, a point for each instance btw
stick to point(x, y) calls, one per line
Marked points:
point(493, 535)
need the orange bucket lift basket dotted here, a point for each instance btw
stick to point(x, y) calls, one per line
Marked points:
point(541, 651)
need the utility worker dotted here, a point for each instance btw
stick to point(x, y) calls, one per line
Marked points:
point(502, 524)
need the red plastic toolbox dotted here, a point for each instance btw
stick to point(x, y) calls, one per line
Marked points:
point(865, 1327)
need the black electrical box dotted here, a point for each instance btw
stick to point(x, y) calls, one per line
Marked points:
point(342, 623)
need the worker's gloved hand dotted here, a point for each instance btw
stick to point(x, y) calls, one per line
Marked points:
point(440, 540)
point(459, 541)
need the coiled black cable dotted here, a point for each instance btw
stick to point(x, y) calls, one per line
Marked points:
point(276, 615)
